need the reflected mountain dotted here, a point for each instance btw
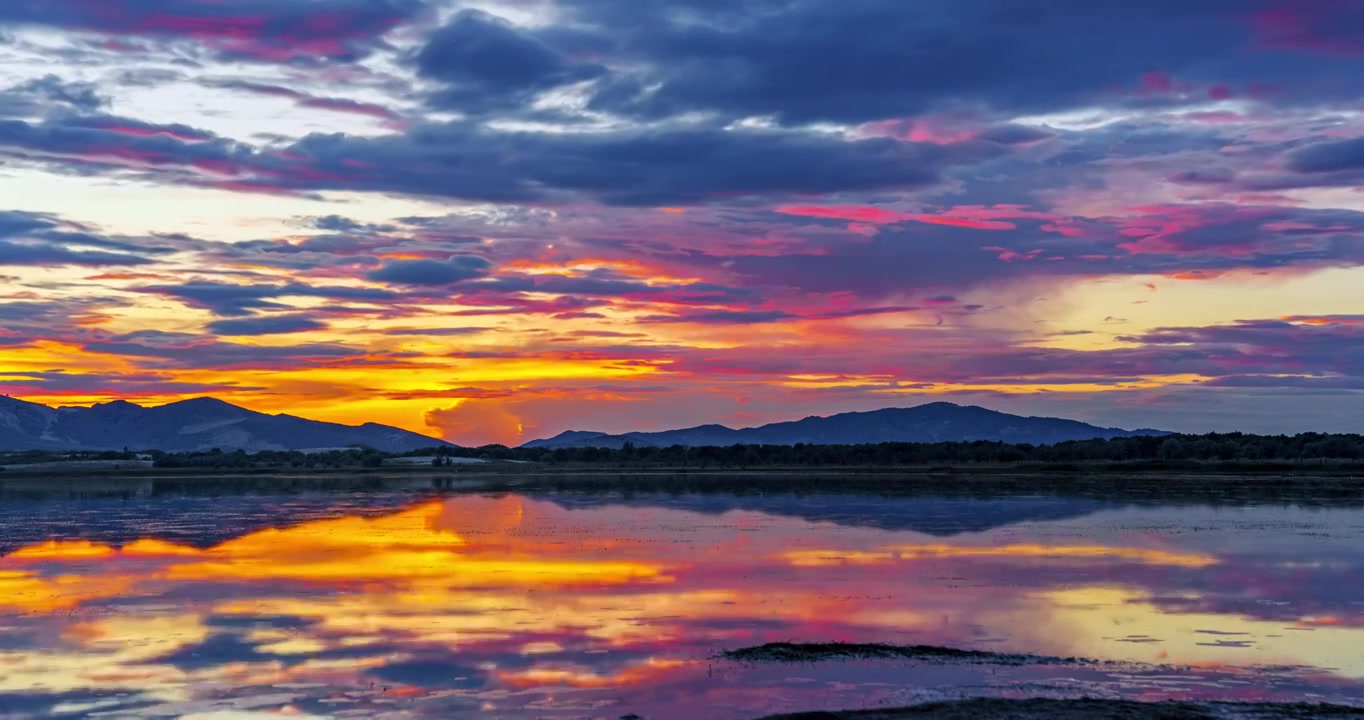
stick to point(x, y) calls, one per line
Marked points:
point(119, 512)
point(566, 605)
point(939, 516)
point(194, 521)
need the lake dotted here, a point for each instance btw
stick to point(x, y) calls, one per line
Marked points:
point(412, 604)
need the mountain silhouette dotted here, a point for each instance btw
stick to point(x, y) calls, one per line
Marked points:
point(198, 424)
point(935, 422)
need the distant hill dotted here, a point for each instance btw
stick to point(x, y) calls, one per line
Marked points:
point(199, 424)
point(935, 422)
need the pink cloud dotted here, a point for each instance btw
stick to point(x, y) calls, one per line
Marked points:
point(1325, 26)
point(934, 130)
point(976, 217)
point(252, 29)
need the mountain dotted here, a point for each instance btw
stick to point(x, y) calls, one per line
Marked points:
point(199, 424)
point(935, 422)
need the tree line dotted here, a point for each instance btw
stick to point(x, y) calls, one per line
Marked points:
point(1225, 447)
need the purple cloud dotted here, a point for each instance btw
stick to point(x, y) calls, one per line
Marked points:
point(257, 30)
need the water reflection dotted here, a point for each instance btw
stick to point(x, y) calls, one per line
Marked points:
point(571, 606)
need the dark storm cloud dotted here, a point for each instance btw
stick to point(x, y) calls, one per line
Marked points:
point(1167, 240)
point(431, 272)
point(1013, 134)
point(723, 317)
point(484, 63)
point(37, 239)
point(1275, 353)
point(56, 381)
point(238, 300)
point(16, 254)
point(48, 93)
point(1338, 163)
point(24, 321)
point(254, 326)
point(626, 167)
point(338, 223)
point(862, 60)
point(93, 143)
point(256, 30)
point(163, 350)
point(1267, 346)
point(32, 311)
point(1329, 157)
point(1307, 382)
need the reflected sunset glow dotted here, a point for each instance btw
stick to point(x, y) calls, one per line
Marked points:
point(538, 605)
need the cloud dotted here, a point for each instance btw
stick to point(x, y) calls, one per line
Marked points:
point(795, 202)
point(308, 100)
point(49, 93)
point(1330, 27)
point(24, 321)
point(476, 423)
point(158, 350)
point(274, 325)
point(485, 63)
point(915, 252)
point(628, 167)
point(432, 273)
point(237, 300)
point(38, 239)
point(723, 317)
point(253, 30)
point(852, 62)
point(1338, 163)
point(58, 382)
point(472, 162)
point(22, 254)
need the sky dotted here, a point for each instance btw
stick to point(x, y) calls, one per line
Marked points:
point(494, 221)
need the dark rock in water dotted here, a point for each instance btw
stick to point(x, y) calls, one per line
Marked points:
point(1086, 709)
point(821, 652)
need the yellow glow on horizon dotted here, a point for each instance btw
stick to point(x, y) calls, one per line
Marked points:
point(578, 678)
point(1094, 613)
point(412, 548)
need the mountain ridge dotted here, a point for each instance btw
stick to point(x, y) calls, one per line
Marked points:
point(933, 422)
point(201, 423)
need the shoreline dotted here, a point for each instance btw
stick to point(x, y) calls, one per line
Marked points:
point(1139, 468)
point(1215, 488)
point(1086, 709)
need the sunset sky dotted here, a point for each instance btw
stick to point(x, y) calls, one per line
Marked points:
point(494, 221)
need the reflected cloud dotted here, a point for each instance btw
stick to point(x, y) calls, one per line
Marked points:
point(547, 607)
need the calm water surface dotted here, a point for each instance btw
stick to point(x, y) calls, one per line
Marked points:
point(564, 605)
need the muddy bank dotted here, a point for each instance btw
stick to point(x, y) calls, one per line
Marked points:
point(1013, 709)
point(1086, 709)
point(824, 652)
